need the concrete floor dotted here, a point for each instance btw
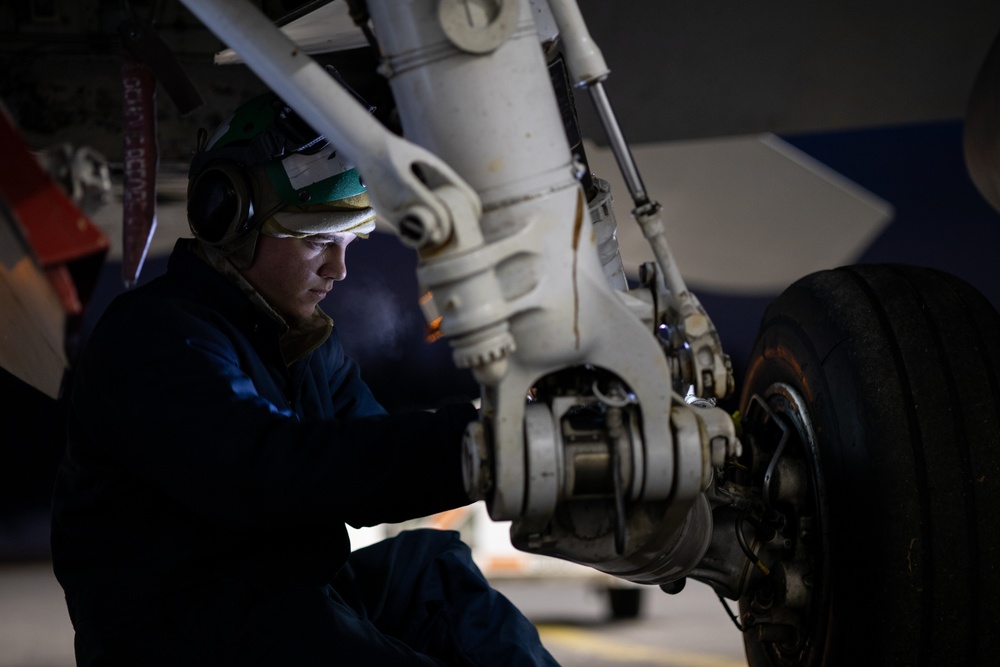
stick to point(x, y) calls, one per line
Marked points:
point(688, 630)
point(34, 627)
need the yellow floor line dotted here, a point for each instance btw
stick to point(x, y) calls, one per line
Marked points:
point(588, 642)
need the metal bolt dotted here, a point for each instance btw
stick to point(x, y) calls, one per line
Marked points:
point(412, 229)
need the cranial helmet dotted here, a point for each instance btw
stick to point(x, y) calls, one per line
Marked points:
point(266, 171)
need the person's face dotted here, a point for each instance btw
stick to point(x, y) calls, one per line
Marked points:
point(294, 275)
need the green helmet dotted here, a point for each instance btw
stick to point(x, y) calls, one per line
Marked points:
point(264, 170)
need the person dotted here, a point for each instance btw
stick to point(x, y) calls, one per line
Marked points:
point(219, 439)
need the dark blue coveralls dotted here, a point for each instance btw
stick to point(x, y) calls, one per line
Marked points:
point(198, 516)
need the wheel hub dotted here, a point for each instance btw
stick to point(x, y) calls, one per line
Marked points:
point(782, 535)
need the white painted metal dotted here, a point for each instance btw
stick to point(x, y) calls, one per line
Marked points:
point(478, 27)
point(584, 58)
point(554, 308)
point(326, 29)
point(507, 248)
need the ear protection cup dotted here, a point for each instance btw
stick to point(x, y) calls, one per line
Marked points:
point(227, 202)
point(220, 203)
point(257, 163)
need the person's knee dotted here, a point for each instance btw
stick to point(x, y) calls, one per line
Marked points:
point(444, 539)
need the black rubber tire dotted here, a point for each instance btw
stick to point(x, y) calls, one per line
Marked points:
point(626, 603)
point(900, 369)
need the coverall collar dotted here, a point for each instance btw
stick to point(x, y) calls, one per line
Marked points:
point(298, 338)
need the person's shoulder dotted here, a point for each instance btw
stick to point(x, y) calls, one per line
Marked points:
point(133, 306)
point(154, 314)
point(150, 301)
